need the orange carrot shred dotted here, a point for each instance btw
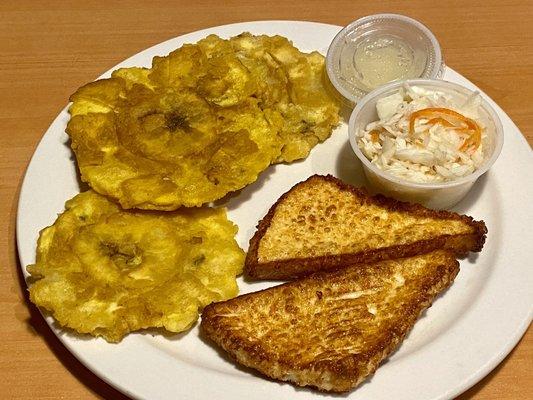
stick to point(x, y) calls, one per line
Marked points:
point(442, 116)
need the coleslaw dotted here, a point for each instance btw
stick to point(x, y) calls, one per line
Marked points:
point(423, 136)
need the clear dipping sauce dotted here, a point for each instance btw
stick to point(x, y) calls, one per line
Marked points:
point(374, 61)
point(378, 49)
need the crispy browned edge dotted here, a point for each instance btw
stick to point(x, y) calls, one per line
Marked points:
point(348, 373)
point(294, 268)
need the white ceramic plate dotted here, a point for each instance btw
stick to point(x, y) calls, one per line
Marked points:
point(457, 342)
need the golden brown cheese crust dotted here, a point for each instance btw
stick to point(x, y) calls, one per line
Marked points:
point(330, 330)
point(457, 233)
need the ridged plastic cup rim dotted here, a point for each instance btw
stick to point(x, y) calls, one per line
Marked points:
point(376, 93)
point(436, 71)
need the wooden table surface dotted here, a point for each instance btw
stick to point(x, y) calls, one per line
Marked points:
point(50, 48)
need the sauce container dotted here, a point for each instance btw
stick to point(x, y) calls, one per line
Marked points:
point(378, 49)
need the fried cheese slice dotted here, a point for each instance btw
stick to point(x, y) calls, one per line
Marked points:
point(330, 330)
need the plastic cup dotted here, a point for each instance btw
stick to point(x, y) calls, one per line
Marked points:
point(433, 195)
point(417, 40)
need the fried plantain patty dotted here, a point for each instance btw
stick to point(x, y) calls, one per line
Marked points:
point(201, 122)
point(106, 272)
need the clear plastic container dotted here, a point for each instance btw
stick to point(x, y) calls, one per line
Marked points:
point(433, 195)
point(378, 49)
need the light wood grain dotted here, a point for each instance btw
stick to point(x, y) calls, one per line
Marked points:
point(49, 48)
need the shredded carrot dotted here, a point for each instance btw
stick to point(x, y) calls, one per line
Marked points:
point(449, 118)
point(374, 135)
point(442, 121)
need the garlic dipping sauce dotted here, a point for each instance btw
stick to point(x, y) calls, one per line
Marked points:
point(378, 49)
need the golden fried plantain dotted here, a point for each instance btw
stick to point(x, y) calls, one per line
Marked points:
point(106, 272)
point(297, 92)
point(201, 122)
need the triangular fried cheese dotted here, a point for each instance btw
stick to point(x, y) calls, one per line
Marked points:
point(323, 223)
point(330, 330)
